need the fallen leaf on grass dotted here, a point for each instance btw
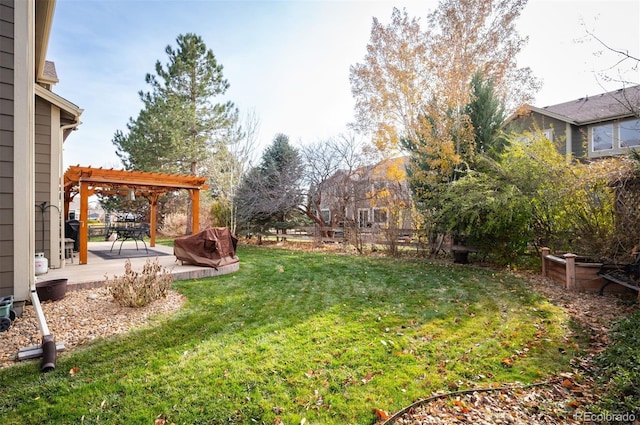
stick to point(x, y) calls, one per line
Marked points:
point(381, 414)
point(368, 377)
point(74, 370)
point(162, 420)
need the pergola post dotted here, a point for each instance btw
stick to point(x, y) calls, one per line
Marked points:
point(84, 221)
point(195, 210)
point(67, 201)
point(153, 220)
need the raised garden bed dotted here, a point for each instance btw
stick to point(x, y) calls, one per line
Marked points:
point(576, 273)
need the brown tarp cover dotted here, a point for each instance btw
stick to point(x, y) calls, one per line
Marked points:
point(214, 247)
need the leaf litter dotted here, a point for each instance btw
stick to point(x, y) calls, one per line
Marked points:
point(559, 399)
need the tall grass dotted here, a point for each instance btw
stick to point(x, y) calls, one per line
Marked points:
point(297, 335)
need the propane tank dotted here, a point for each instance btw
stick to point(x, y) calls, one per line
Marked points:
point(41, 263)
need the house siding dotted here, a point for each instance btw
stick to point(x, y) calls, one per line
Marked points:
point(42, 174)
point(580, 141)
point(541, 122)
point(355, 199)
point(577, 139)
point(6, 145)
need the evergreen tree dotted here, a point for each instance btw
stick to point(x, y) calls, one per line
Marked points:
point(181, 122)
point(487, 113)
point(180, 119)
point(270, 193)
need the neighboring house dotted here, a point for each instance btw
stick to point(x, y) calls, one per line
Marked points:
point(606, 124)
point(34, 122)
point(369, 197)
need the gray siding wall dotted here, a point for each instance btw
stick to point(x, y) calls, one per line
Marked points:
point(6, 146)
point(579, 141)
point(578, 134)
point(43, 174)
point(543, 122)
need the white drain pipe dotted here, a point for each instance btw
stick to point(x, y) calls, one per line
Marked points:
point(49, 352)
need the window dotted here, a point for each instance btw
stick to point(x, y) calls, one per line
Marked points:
point(615, 138)
point(379, 215)
point(629, 133)
point(548, 133)
point(326, 215)
point(363, 218)
point(602, 137)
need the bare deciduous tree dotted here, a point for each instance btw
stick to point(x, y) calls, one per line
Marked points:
point(624, 64)
point(235, 155)
point(329, 166)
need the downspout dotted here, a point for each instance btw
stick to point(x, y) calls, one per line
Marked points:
point(49, 352)
point(65, 127)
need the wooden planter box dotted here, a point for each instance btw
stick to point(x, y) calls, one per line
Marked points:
point(576, 275)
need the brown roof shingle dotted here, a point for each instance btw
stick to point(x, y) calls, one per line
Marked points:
point(49, 72)
point(615, 104)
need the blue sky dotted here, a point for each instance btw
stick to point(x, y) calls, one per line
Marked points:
point(288, 61)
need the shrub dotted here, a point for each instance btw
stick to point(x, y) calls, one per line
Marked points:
point(174, 224)
point(618, 371)
point(134, 289)
point(487, 213)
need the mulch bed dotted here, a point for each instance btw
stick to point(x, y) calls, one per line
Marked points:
point(79, 318)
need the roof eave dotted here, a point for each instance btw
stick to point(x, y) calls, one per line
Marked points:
point(541, 111)
point(59, 101)
point(43, 22)
point(550, 114)
point(607, 119)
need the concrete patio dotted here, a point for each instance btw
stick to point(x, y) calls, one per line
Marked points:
point(102, 260)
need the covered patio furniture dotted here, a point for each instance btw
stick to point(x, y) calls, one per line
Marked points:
point(214, 247)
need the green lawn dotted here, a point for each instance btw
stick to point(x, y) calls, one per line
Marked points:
point(296, 335)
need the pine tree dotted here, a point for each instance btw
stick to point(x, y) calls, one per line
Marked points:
point(181, 121)
point(487, 113)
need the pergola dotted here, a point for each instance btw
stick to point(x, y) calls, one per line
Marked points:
point(87, 181)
